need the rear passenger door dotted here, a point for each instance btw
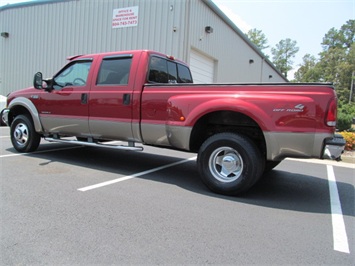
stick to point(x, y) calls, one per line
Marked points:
point(110, 102)
point(154, 113)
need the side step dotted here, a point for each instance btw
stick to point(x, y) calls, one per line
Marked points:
point(130, 146)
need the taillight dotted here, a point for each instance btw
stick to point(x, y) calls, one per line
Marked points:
point(331, 117)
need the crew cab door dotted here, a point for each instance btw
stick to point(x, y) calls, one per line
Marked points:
point(64, 109)
point(110, 104)
point(154, 99)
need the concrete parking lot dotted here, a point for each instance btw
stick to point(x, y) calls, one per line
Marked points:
point(66, 205)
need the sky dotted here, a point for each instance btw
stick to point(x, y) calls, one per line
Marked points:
point(304, 21)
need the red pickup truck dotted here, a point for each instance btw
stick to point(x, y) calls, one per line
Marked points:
point(238, 130)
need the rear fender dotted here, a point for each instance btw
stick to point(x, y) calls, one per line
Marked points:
point(186, 111)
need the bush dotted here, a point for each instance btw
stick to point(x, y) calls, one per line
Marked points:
point(350, 140)
point(344, 121)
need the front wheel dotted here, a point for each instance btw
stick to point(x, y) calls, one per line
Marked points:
point(24, 137)
point(229, 163)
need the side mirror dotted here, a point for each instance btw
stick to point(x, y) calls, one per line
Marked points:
point(38, 81)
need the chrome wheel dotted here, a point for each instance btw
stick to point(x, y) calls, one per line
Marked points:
point(229, 163)
point(24, 137)
point(21, 134)
point(226, 164)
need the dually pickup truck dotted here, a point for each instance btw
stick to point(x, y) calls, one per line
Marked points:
point(238, 130)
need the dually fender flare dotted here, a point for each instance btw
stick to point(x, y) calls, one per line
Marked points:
point(194, 108)
point(30, 107)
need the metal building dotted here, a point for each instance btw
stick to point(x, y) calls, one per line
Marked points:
point(40, 35)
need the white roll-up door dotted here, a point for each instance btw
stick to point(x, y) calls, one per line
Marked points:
point(202, 67)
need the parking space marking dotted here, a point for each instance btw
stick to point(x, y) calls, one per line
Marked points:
point(107, 183)
point(36, 152)
point(340, 239)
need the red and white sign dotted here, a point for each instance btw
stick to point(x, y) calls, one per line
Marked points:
point(125, 17)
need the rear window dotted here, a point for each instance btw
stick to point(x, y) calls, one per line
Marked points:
point(184, 74)
point(162, 70)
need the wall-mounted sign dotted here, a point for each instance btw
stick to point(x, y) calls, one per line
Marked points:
point(125, 17)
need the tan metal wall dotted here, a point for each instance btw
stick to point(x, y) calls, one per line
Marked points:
point(42, 35)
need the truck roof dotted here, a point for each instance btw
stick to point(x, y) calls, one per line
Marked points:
point(130, 52)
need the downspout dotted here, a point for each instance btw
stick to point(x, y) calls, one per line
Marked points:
point(187, 46)
point(262, 69)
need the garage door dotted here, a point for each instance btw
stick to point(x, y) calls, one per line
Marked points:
point(202, 67)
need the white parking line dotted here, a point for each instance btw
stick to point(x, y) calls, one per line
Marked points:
point(135, 175)
point(340, 239)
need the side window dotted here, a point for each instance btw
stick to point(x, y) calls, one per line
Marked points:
point(165, 71)
point(74, 74)
point(114, 71)
point(158, 70)
point(172, 72)
point(184, 74)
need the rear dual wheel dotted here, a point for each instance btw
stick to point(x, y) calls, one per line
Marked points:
point(229, 163)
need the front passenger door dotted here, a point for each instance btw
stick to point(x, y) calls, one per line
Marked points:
point(64, 110)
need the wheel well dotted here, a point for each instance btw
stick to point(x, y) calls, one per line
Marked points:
point(226, 121)
point(18, 110)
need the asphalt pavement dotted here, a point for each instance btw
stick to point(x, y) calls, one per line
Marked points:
point(74, 205)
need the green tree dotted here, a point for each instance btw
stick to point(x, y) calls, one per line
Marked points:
point(308, 71)
point(337, 60)
point(283, 53)
point(336, 64)
point(258, 38)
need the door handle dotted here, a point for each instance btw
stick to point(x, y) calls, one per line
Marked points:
point(84, 98)
point(126, 99)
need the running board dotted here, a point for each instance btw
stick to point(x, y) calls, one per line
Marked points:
point(131, 146)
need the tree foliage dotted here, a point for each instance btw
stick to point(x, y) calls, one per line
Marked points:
point(336, 62)
point(258, 38)
point(283, 53)
point(308, 70)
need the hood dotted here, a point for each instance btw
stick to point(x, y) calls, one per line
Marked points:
point(22, 93)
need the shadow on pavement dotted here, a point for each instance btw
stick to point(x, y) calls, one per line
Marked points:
point(276, 189)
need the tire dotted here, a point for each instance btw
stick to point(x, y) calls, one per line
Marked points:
point(24, 138)
point(2, 123)
point(229, 163)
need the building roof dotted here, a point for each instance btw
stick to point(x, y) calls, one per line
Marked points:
point(31, 3)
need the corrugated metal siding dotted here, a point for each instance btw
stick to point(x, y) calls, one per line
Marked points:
point(42, 36)
point(232, 52)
